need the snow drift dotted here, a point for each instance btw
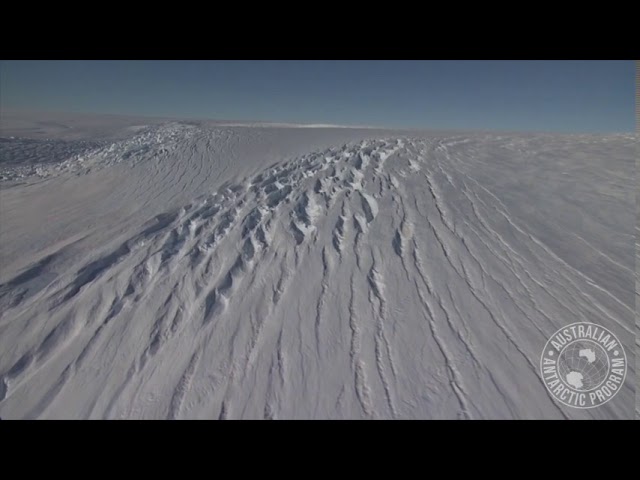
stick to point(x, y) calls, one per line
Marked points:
point(194, 270)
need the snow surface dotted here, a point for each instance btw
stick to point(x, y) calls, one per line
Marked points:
point(187, 269)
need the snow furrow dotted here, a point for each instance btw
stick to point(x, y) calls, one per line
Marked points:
point(193, 270)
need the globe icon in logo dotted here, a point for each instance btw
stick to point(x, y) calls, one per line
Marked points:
point(583, 365)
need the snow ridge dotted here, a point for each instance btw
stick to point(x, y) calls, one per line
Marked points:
point(379, 279)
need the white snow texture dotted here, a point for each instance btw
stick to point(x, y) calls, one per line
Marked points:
point(163, 269)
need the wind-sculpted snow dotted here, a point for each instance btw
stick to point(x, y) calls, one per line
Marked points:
point(400, 276)
point(44, 158)
point(637, 283)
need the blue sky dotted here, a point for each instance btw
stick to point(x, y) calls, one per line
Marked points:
point(563, 96)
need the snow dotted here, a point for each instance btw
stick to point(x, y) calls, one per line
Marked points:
point(155, 268)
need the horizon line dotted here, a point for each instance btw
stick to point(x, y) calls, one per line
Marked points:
point(280, 124)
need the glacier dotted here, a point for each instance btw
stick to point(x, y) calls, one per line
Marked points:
point(192, 269)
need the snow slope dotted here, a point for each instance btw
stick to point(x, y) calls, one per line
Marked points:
point(194, 270)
